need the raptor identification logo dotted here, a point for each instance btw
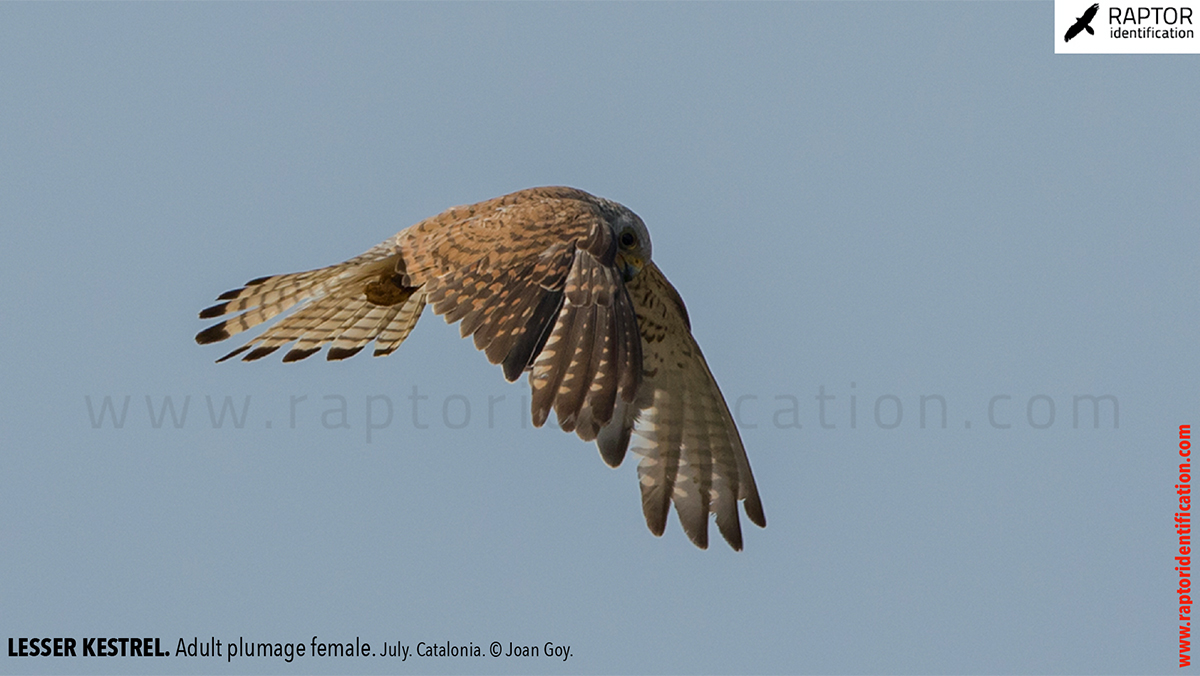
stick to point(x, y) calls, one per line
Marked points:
point(1083, 27)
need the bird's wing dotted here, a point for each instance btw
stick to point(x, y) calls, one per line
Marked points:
point(691, 453)
point(529, 275)
point(532, 277)
point(345, 305)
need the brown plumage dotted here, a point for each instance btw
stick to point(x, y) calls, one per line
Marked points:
point(550, 281)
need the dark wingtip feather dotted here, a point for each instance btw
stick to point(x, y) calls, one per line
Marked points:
point(514, 366)
point(567, 422)
point(258, 280)
point(260, 352)
point(212, 334)
point(656, 525)
point(695, 523)
point(731, 530)
point(613, 446)
point(336, 353)
point(229, 295)
point(214, 311)
point(234, 353)
point(296, 354)
point(534, 336)
point(586, 426)
point(754, 510)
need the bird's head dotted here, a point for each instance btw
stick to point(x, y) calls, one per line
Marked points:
point(633, 243)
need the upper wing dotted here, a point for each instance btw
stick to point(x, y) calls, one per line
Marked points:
point(691, 452)
point(531, 277)
point(345, 305)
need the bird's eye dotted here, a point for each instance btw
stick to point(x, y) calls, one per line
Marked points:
point(627, 240)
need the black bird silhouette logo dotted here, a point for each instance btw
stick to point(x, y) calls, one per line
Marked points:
point(1083, 23)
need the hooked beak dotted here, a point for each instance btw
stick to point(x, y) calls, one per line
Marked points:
point(629, 264)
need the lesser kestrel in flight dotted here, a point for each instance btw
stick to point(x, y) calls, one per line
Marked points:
point(551, 281)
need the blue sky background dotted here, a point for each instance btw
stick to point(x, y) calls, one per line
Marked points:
point(887, 201)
